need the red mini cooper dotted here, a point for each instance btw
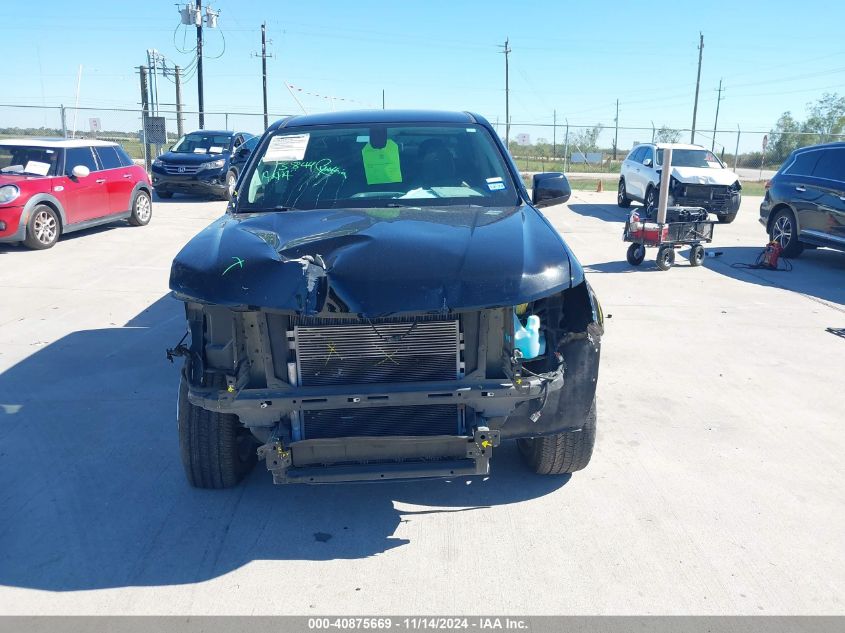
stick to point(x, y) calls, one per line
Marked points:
point(54, 186)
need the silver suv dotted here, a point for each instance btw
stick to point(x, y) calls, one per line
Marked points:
point(699, 179)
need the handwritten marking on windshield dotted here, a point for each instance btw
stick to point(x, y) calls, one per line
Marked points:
point(238, 262)
point(283, 171)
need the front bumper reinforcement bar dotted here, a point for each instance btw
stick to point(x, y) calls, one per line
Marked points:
point(379, 458)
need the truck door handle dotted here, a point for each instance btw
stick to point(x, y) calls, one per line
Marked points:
point(127, 175)
point(842, 198)
point(100, 181)
point(801, 188)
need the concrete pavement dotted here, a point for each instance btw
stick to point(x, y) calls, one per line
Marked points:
point(716, 486)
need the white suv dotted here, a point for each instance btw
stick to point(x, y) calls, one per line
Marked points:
point(699, 179)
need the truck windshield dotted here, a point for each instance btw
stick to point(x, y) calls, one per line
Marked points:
point(692, 158)
point(377, 166)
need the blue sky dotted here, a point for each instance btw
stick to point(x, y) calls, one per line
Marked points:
point(575, 57)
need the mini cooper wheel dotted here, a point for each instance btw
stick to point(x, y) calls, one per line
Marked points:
point(636, 254)
point(665, 257)
point(622, 198)
point(43, 228)
point(696, 255)
point(142, 209)
point(784, 232)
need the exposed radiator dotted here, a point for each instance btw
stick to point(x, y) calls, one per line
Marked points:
point(439, 419)
point(353, 352)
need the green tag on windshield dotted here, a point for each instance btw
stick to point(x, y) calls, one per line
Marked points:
point(382, 165)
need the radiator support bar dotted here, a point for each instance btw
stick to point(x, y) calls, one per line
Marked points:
point(379, 458)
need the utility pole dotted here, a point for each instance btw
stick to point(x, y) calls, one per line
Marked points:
point(554, 133)
point(507, 51)
point(382, 99)
point(145, 112)
point(264, 70)
point(697, 82)
point(200, 98)
point(180, 124)
point(264, 57)
point(716, 122)
point(616, 133)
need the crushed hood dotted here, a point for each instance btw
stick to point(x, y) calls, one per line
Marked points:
point(704, 176)
point(376, 262)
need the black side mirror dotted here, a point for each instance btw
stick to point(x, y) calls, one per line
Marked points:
point(548, 189)
point(242, 152)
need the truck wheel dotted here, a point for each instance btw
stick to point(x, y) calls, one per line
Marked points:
point(622, 198)
point(665, 257)
point(636, 254)
point(142, 209)
point(217, 451)
point(726, 218)
point(563, 452)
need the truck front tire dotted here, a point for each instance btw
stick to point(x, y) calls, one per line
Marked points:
point(561, 453)
point(217, 450)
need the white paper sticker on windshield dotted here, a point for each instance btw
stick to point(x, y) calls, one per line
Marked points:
point(287, 148)
point(214, 149)
point(36, 167)
point(199, 150)
point(495, 179)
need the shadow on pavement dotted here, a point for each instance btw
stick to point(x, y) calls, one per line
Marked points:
point(817, 273)
point(185, 197)
point(606, 212)
point(94, 495)
point(94, 230)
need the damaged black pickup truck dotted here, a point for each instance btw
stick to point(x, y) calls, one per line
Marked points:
point(382, 300)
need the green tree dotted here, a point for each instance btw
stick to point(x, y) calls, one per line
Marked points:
point(784, 137)
point(667, 134)
point(827, 117)
point(586, 139)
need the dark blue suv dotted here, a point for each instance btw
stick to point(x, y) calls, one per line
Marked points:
point(805, 201)
point(199, 163)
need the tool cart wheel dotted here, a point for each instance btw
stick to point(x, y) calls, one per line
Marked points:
point(665, 257)
point(696, 255)
point(636, 254)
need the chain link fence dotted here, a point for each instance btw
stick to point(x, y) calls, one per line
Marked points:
point(123, 126)
point(600, 149)
point(536, 147)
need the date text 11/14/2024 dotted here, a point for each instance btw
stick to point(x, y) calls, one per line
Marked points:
point(417, 623)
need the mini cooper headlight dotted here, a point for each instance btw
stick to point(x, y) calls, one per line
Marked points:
point(8, 193)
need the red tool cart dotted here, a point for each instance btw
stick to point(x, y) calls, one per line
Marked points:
point(684, 225)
